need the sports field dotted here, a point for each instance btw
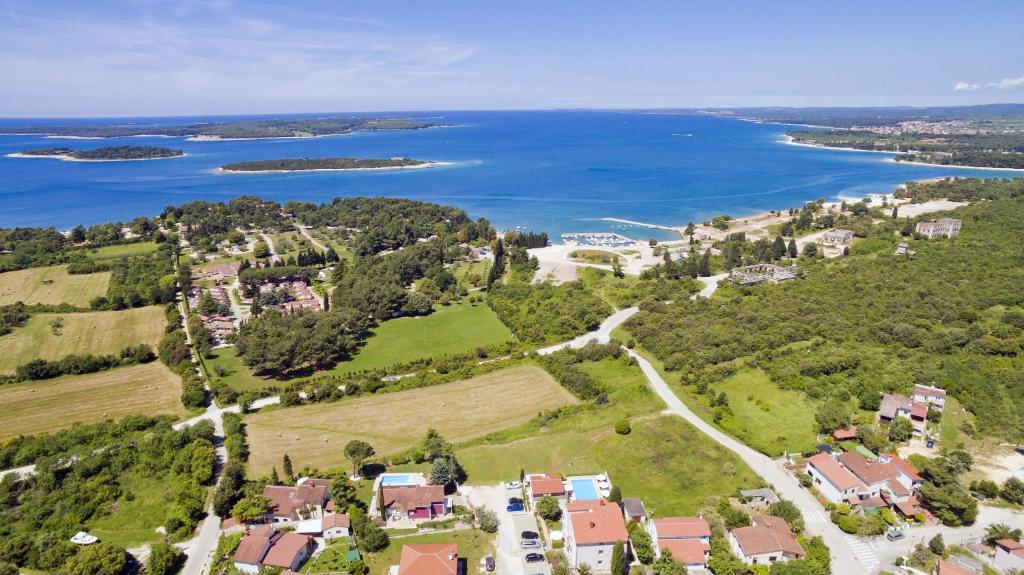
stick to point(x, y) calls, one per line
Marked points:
point(51, 285)
point(316, 435)
point(52, 404)
point(97, 332)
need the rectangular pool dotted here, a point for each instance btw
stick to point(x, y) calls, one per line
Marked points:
point(394, 479)
point(584, 489)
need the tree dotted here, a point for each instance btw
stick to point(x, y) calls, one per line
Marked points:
point(343, 492)
point(357, 452)
point(641, 541)
point(788, 511)
point(622, 427)
point(901, 430)
point(487, 520)
point(618, 565)
point(274, 478)
point(286, 465)
point(372, 537)
point(832, 415)
point(547, 507)
point(778, 247)
point(615, 494)
point(261, 250)
point(810, 249)
point(998, 531)
point(251, 508)
point(433, 446)
point(1013, 491)
point(584, 569)
point(704, 270)
point(617, 269)
point(164, 559)
point(791, 249)
point(936, 545)
point(255, 309)
point(440, 472)
point(97, 559)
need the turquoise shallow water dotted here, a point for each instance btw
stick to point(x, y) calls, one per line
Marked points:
point(559, 171)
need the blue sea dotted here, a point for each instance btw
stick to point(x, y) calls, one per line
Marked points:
point(556, 171)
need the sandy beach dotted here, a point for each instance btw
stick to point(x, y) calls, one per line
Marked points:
point(416, 167)
point(202, 138)
point(66, 158)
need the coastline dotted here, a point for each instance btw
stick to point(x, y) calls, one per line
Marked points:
point(66, 158)
point(789, 141)
point(203, 138)
point(221, 170)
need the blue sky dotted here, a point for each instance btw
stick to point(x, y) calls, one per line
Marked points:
point(183, 57)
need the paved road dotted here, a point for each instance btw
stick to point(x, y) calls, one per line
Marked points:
point(602, 335)
point(270, 246)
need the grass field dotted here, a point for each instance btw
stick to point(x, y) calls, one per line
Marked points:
point(52, 404)
point(227, 368)
point(594, 256)
point(98, 333)
point(120, 251)
point(51, 285)
point(474, 545)
point(450, 329)
point(464, 270)
point(315, 435)
point(133, 522)
point(767, 418)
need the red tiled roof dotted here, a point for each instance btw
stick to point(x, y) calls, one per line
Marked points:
point(682, 528)
point(833, 472)
point(287, 501)
point(908, 508)
point(870, 472)
point(595, 522)
point(429, 559)
point(335, 520)
point(891, 404)
point(250, 548)
point(687, 551)
point(409, 497)
point(919, 410)
point(944, 567)
point(929, 391)
point(842, 434)
point(901, 464)
point(540, 487)
point(285, 549)
point(897, 488)
point(1009, 544)
point(767, 535)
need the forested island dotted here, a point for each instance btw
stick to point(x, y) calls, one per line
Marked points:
point(243, 129)
point(321, 164)
point(107, 154)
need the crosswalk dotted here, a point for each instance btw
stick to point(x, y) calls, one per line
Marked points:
point(864, 551)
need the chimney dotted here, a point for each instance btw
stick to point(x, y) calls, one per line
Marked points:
point(593, 525)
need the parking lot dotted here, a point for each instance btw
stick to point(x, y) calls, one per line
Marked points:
point(510, 557)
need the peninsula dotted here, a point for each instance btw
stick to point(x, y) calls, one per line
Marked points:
point(107, 154)
point(324, 164)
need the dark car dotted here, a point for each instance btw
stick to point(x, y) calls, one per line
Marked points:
point(894, 535)
point(534, 557)
point(529, 535)
point(489, 564)
point(516, 507)
point(515, 501)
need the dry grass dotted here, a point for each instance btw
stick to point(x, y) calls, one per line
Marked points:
point(53, 404)
point(316, 435)
point(30, 286)
point(98, 333)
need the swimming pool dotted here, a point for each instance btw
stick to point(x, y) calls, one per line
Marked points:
point(584, 489)
point(396, 479)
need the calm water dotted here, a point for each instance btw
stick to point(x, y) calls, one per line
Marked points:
point(553, 171)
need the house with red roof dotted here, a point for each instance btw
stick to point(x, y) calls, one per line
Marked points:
point(545, 485)
point(894, 406)
point(303, 501)
point(687, 538)
point(431, 559)
point(831, 479)
point(935, 397)
point(766, 541)
point(265, 546)
point(1009, 555)
point(591, 530)
point(416, 502)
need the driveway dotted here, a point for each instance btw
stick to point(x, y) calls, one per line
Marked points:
point(509, 556)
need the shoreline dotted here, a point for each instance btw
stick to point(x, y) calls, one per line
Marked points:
point(204, 138)
point(221, 170)
point(67, 158)
point(789, 141)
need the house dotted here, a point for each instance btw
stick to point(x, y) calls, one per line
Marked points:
point(845, 434)
point(265, 546)
point(430, 559)
point(303, 501)
point(416, 502)
point(687, 538)
point(764, 542)
point(903, 250)
point(1009, 555)
point(894, 406)
point(837, 237)
point(592, 528)
point(942, 227)
point(760, 497)
point(333, 526)
point(545, 485)
point(878, 478)
point(947, 567)
point(633, 510)
point(760, 273)
point(831, 479)
point(935, 397)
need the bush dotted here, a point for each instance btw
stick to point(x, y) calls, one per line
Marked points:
point(487, 520)
point(622, 427)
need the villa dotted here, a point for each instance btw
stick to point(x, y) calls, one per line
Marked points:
point(764, 542)
point(935, 397)
point(1009, 555)
point(687, 538)
point(333, 526)
point(894, 406)
point(305, 500)
point(942, 227)
point(852, 478)
point(760, 497)
point(264, 546)
point(430, 559)
point(545, 485)
point(837, 237)
point(591, 529)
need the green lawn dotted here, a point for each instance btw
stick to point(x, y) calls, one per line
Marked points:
point(450, 329)
point(136, 514)
point(121, 250)
point(464, 271)
point(226, 367)
point(473, 546)
point(765, 417)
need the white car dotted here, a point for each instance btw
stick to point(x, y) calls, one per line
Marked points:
point(515, 485)
point(530, 544)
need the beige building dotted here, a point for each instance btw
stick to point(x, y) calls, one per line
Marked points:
point(942, 227)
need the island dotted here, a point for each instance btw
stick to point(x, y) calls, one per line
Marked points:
point(236, 130)
point(107, 154)
point(325, 165)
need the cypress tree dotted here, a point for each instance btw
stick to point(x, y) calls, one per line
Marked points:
point(705, 264)
point(287, 466)
point(618, 565)
point(778, 247)
point(792, 248)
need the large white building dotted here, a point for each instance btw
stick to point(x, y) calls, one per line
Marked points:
point(942, 227)
point(591, 530)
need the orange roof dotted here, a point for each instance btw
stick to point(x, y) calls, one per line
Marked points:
point(429, 559)
point(408, 498)
point(250, 548)
point(335, 520)
point(947, 568)
point(870, 472)
point(682, 528)
point(842, 434)
point(540, 487)
point(833, 472)
point(687, 551)
point(901, 464)
point(597, 522)
point(767, 535)
point(287, 547)
point(287, 501)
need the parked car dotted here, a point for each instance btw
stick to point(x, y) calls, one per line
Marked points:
point(894, 535)
point(529, 535)
point(530, 544)
point(515, 508)
point(515, 501)
point(515, 485)
point(489, 564)
point(534, 557)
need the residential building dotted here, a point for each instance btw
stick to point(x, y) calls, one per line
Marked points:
point(430, 559)
point(264, 546)
point(332, 526)
point(845, 434)
point(1009, 555)
point(878, 478)
point(760, 273)
point(545, 485)
point(760, 497)
point(633, 510)
point(831, 480)
point(416, 502)
point(837, 237)
point(894, 406)
point(687, 538)
point(304, 501)
point(289, 551)
point(935, 397)
point(949, 567)
point(942, 227)
point(591, 530)
point(764, 542)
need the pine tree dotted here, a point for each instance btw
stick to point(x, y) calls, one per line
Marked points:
point(792, 249)
point(705, 264)
point(286, 464)
point(778, 247)
point(274, 479)
point(255, 309)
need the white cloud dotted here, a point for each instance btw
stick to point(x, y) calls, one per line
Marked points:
point(965, 87)
point(1007, 83)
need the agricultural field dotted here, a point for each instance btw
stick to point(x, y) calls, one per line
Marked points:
point(456, 328)
point(54, 335)
point(52, 285)
point(48, 405)
point(121, 250)
point(315, 435)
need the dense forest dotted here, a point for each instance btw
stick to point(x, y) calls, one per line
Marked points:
point(874, 321)
point(546, 313)
point(208, 223)
point(279, 128)
point(299, 164)
point(108, 153)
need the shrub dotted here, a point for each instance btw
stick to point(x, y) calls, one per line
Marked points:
point(622, 427)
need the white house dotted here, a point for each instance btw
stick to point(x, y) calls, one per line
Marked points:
point(831, 479)
point(837, 237)
point(768, 540)
point(935, 397)
point(1009, 555)
point(942, 227)
point(593, 527)
point(332, 526)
